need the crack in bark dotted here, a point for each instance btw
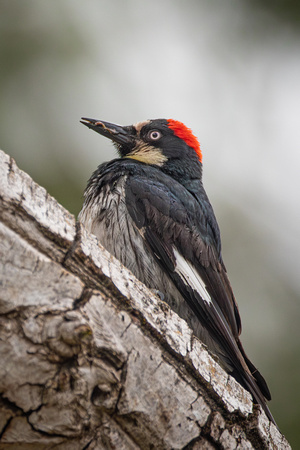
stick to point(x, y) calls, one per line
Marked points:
point(83, 299)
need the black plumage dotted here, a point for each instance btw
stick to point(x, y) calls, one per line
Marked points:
point(150, 210)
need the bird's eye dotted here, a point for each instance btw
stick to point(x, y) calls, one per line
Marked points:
point(154, 135)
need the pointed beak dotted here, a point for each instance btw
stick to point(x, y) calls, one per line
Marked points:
point(118, 134)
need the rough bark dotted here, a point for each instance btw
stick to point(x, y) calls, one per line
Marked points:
point(90, 358)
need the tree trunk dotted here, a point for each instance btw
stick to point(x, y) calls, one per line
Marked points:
point(90, 358)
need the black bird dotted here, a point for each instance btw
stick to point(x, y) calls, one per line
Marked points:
point(149, 209)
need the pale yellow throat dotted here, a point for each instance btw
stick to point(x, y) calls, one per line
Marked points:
point(147, 154)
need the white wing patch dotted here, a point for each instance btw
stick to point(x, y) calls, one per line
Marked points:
point(190, 276)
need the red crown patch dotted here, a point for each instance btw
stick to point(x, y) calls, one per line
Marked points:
point(183, 132)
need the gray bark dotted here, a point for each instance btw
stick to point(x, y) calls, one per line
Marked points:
point(90, 358)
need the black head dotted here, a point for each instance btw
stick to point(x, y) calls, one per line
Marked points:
point(167, 144)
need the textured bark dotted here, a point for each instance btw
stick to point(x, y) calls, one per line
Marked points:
point(90, 358)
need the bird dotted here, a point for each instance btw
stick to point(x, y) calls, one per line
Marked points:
point(149, 209)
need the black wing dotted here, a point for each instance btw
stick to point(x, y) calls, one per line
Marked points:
point(176, 227)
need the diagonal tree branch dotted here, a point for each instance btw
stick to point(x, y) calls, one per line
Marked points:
point(90, 358)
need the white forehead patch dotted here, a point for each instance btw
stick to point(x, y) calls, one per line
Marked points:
point(138, 126)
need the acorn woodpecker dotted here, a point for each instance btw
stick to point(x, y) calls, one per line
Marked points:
point(149, 209)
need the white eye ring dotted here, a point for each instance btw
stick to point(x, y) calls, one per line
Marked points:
point(154, 135)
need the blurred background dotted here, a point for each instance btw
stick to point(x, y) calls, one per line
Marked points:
point(230, 71)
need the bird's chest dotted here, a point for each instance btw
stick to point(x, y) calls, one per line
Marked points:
point(107, 217)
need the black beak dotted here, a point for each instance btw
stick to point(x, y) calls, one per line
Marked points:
point(118, 134)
